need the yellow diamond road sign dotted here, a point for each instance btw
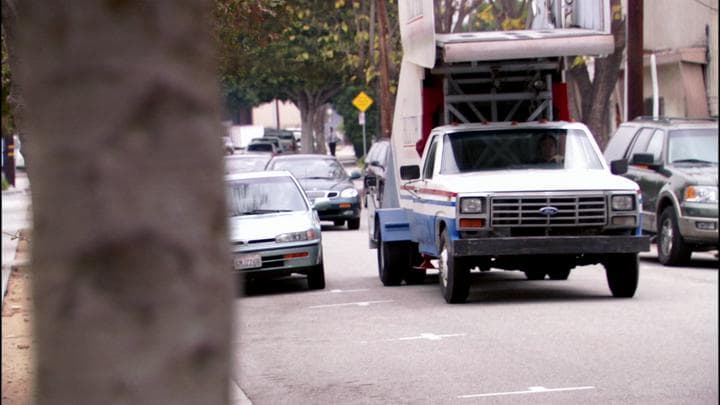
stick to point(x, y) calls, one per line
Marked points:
point(362, 101)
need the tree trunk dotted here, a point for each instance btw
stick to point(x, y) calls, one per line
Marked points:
point(307, 119)
point(595, 95)
point(319, 121)
point(129, 252)
point(387, 101)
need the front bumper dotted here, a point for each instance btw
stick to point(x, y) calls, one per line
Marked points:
point(337, 208)
point(551, 245)
point(284, 260)
point(702, 230)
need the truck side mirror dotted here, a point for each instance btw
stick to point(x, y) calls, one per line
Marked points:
point(619, 166)
point(410, 172)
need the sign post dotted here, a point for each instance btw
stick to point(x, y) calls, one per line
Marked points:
point(362, 102)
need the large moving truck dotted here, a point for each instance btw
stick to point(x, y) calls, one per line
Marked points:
point(486, 171)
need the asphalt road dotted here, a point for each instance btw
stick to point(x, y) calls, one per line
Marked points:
point(514, 342)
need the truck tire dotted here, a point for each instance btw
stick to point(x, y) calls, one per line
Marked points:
point(454, 277)
point(316, 277)
point(415, 275)
point(622, 271)
point(534, 274)
point(672, 250)
point(353, 223)
point(393, 261)
point(560, 274)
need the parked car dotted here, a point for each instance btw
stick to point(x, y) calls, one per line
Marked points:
point(272, 139)
point(287, 141)
point(246, 162)
point(675, 163)
point(262, 146)
point(327, 185)
point(228, 148)
point(373, 172)
point(273, 229)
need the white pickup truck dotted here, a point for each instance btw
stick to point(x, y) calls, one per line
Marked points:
point(514, 185)
point(534, 196)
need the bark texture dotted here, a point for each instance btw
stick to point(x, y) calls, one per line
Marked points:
point(132, 287)
point(590, 99)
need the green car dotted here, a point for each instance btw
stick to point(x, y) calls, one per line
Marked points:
point(675, 163)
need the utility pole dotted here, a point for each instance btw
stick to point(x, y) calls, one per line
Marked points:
point(386, 104)
point(634, 65)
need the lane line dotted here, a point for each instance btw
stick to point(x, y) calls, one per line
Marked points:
point(347, 291)
point(425, 336)
point(346, 304)
point(531, 390)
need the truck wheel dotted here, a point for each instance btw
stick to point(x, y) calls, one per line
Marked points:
point(454, 273)
point(561, 274)
point(316, 277)
point(622, 271)
point(672, 251)
point(393, 262)
point(534, 275)
point(353, 223)
point(413, 275)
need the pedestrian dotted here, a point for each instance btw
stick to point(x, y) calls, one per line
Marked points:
point(332, 141)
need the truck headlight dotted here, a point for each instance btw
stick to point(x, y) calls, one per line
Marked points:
point(349, 193)
point(708, 194)
point(623, 202)
point(471, 205)
point(310, 234)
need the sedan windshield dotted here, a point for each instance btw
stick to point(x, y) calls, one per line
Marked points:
point(242, 164)
point(311, 168)
point(264, 196)
point(693, 146)
point(533, 148)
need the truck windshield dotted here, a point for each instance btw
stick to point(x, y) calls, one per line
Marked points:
point(518, 149)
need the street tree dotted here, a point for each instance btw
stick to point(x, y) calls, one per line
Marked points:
point(590, 96)
point(130, 258)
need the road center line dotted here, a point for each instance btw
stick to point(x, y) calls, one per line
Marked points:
point(347, 304)
point(531, 390)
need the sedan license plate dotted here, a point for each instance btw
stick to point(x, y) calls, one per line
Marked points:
point(247, 262)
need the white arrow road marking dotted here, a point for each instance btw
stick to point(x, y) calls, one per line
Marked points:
point(346, 304)
point(347, 291)
point(531, 390)
point(426, 336)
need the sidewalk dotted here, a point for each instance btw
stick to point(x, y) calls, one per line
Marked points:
point(16, 217)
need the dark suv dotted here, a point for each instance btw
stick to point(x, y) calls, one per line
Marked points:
point(675, 163)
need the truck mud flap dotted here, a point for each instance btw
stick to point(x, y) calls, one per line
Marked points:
point(394, 225)
point(551, 245)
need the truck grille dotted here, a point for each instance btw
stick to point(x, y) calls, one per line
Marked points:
point(545, 211)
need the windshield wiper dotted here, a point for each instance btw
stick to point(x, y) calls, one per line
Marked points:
point(691, 161)
point(262, 211)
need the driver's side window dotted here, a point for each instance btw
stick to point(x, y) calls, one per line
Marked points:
point(430, 161)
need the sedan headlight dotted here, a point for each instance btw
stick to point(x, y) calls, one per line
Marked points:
point(471, 205)
point(349, 193)
point(707, 194)
point(310, 234)
point(623, 202)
